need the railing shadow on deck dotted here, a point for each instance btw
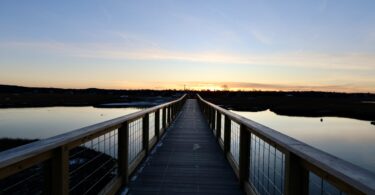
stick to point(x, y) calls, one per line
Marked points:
point(269, 162)
point(94, 159)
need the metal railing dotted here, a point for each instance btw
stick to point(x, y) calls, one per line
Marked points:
point(269, 162)
point(94, 159)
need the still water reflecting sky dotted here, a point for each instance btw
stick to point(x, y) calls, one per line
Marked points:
point(349, 139)
point(39, 123)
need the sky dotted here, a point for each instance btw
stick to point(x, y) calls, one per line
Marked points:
point(320, 45)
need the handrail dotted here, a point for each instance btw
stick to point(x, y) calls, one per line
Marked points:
point(301, 160)
point(15, 155)
point(21, 158)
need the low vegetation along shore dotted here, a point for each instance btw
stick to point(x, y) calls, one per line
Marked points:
point(310, 104)
point(22, 97)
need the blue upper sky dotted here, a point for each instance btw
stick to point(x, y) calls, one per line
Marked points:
point(255, 44)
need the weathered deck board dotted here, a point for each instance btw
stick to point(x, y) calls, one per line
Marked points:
point(189, 161)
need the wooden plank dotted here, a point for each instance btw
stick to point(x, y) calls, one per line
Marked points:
point(248, 189)
point(112, 187)
point(152, 143)
point(137, 161)
point(233, 165)
point(188, 161)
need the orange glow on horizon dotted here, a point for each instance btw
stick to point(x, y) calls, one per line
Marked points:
point(198, 86)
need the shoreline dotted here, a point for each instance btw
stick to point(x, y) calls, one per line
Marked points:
point(299, 104)
point(308, 104)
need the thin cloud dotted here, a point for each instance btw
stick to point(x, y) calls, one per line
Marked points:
point(345, 61)
point(261, 37)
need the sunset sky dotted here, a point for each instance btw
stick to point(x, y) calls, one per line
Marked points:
point(326, 45)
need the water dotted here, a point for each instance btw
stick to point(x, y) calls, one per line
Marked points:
point(349, 139)
point(40, 123)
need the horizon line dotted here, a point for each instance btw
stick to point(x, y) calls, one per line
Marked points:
point(189, 90)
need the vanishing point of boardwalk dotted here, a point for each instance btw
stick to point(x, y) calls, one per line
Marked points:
point(187, 161)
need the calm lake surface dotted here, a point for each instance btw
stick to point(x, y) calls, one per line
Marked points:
point(40, 123)
point(349, 139)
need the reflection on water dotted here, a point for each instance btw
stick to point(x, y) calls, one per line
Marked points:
point(39, 123)
point(349, 139)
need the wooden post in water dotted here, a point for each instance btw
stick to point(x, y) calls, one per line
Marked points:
point(123, 152)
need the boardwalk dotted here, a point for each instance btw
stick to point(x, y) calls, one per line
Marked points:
point(188, 161)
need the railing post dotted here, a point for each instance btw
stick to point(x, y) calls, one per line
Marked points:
point(213, 119)
point(209, 116)
point(164, 118)
point(169, 115)
point(218, 125)
point(296, 176)
point(157, 124)
point(123, 152)
point(174, 111)
point(145, 132)
point(58, 176)
point(207, 111)
point(227, 130)
point(244, 154)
